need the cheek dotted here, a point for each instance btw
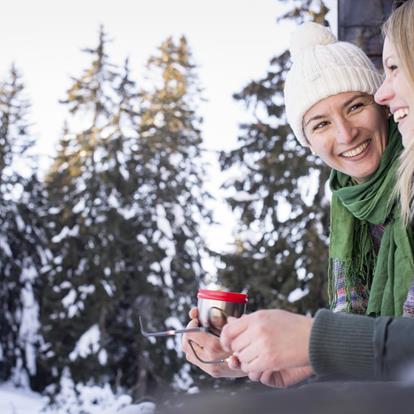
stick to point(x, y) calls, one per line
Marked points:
point(320, 149)
point(408, 134)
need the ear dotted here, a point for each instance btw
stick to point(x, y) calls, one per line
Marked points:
point(307, 142)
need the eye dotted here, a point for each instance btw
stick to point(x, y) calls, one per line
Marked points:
point(356, 106)
point(320, 125)
point(392, 68)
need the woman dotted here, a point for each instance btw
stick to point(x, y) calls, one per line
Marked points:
point(329, 105)
point(397, 91)
point(384, 347)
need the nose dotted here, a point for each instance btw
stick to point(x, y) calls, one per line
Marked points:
point(346, 132)
point(384, 93)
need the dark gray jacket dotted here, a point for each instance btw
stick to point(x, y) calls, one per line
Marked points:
point(344, 344)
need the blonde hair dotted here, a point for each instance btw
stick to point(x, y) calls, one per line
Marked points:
point(399, 28)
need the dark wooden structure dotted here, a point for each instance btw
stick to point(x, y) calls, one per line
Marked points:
point(359, 22)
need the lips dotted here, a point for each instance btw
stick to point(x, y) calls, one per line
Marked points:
point(356, 151)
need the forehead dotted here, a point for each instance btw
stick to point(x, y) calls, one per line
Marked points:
point(325, 106)
point(388, 48)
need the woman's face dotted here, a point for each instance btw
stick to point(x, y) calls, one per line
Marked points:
point(397, 92)
point(348, 131)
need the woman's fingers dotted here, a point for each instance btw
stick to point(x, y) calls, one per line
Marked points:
point(233, 362)
point(240, 343)
point(193, 314)
point(254, 376)
point(231, 330)
point(195, 338)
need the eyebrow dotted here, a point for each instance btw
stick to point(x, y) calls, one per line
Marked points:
point(349, 101)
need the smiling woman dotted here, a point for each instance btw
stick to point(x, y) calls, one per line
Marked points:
point(397, 91)
point(349, 133)
point(330, 106)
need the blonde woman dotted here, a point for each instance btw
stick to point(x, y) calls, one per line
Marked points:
point(397, 91)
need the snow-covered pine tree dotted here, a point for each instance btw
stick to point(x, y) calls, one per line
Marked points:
point(98, 273)
point(125, 201)
point(22, 238)
point(170, 156)
point(281, 251)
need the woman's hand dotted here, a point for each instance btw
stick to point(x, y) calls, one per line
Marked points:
point(269, 340)
point(283, 378)
point(208, 348)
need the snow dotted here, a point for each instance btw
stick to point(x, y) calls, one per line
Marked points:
point(308, 186)
point(283, 209)
point(113, 201)
point(90, 400)
point(69, 299)
point(103, 357)
point(297, 294)
point(4, 245)
point(65, 233)
point(107, 287)
point(163, 223)
point(88, 343)
point(29, 326)
point(18, 401)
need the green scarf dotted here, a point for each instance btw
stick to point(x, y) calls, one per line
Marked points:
point(388, 276)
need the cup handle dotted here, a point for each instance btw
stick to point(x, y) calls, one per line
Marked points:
point(217, 361)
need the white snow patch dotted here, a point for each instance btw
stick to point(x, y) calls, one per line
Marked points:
point(103, 357)
point(65, 232)
point(308, 186)
point(90, 399)
point(79, 207)
point(283, 209)
point(297, 294)
point(163, 223)
point(19, 401)
point(69, 299)
point(29, 326)
point(5, 246)
point(88, 343)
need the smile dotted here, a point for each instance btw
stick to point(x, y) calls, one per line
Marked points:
point(400, 114)
point(356, 151)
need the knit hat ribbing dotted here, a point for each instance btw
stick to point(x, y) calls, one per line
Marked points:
point(322, 67)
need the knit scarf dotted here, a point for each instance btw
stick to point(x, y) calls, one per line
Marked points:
point(382, 280)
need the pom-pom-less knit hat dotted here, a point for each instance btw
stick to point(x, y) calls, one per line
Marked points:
point(322, 67)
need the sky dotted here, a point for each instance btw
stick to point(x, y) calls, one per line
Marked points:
point(232, 43)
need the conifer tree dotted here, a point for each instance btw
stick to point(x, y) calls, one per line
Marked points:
point(280, 198)
point(22, 239)
point(123, 193)
point(97, 254)
point(170, 156)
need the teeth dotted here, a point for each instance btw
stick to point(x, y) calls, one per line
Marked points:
point(356, 151)
point(400, 114)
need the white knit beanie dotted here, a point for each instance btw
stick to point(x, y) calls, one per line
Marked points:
point(322, 67)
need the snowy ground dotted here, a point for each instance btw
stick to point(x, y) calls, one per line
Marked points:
point(19, 401)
